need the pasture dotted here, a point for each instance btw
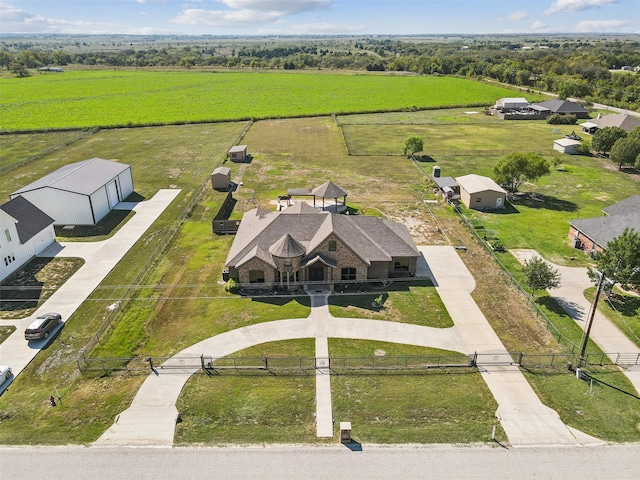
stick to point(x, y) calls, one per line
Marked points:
point(107, 98)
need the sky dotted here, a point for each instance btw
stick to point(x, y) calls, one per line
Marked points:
point(311, 17)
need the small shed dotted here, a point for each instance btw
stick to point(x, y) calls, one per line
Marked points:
point(566, 145)
point(238, 153)
point(80, 193)
point(481, 193)
point(221, 178)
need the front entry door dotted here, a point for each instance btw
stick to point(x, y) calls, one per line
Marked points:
point(316, 274)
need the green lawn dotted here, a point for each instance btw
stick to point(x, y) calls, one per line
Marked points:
point(623, 310)
point(411, 302)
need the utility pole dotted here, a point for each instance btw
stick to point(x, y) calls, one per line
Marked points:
point(590, 320)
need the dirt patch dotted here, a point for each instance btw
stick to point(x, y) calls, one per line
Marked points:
point(28, 288)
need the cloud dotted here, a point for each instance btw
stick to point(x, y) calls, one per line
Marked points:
point(516, 16)
point(562, 6)
point(16, 20)
point(538, 25)
point(249, 12)
point(601, 25)
point(326, 28)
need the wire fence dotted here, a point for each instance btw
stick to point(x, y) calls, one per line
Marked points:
point(188, 365)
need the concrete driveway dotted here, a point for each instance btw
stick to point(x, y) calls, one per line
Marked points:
point(100, 258)
point(570, 296)
point(151, 418)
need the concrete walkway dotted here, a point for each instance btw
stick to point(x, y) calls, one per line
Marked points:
point(570, 296)
point(151, 418)
point(100, 258)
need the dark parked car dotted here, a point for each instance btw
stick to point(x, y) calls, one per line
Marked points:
point(42, 326)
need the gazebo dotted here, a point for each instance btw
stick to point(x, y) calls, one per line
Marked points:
point(327, 190)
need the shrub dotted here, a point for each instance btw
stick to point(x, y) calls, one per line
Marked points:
point(231, 286)
point(557, 119)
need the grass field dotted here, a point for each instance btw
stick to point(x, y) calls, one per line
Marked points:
point(460, 144)
point(79, 99)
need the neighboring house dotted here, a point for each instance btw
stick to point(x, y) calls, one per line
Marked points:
point(300, 245)
point(566, 145)
point(481, 193)
point(80, 193)
point(238, 153)
point(221, 178)
point(561, 107)
point(26, 231)
point(511, 104)
point(621, 120)
point(593, 234)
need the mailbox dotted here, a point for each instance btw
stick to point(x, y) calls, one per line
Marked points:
point(345, 432)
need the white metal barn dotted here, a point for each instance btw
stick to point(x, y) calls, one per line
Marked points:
point(80, 193)
point(25, 232)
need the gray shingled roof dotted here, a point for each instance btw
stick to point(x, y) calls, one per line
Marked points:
point(81, 177)
point(287, 247)
point(562, 106)
point(604, 229)
point(370, 238)
point(30, 220)
point(622, 120)
point(329, 190)
point(300, 207)
point(626, 206)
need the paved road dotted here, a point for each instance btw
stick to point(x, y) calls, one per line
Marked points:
point(444, 462)
point(100, 258)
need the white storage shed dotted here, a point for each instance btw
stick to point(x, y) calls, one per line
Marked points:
point(566, 145)
point(80, 193)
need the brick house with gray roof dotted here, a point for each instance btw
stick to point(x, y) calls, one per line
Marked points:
point(297, 247)
point(593, 234)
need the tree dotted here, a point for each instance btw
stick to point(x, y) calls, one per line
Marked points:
point(625, 151)
point(540, 275)
point(604, 139)
point(19, 69)
point(620, 261)
point(516, 168)
point(413, 145)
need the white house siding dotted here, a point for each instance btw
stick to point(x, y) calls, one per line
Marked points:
point(10, 250)
point(66, 208)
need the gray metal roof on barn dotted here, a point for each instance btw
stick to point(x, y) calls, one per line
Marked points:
point(30, 220)
point(83, 177)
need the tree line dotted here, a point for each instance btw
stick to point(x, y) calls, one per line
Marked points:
point(570, 68)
